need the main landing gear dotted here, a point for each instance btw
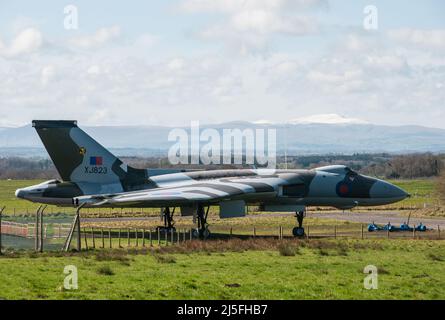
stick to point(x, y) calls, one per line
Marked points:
point(299, 231)
point(202, 232)
point(168, 221)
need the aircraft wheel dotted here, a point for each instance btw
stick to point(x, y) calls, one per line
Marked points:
point(195, 233)
point(298, 232)
point(163, 229)
point(201, 233)
point(205, 233)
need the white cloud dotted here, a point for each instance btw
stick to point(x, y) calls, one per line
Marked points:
point(229, 6)
point(47, 74)
point(434, 38)
point(330, 118)
point(105, 87)
point(93, 70)
point(27, 41)
point(250, 24)
point(176, 64)
point(358, 76)
point(99, 38)
point(146, 40)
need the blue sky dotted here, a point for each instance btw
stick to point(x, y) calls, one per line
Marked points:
point(170, 62)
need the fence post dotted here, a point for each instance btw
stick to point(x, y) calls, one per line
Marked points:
point(438, 231)
point(387, 233)
point(119, 238)
point(335, 232)
point(79, 240)
point(128, 237)
point(94, 239)
point(414, 232)
point(151, 240)
point(109, 237)
point(191, 236)
point(143, 237)
point(254, 232)
point(136, 236)
point(75, 223)
point(102, 235)
point(1, 213)
point(42, 229)
point(307, 232)
point(159, 236)
point(36, 229)
point(166, 237)
point(85, 237)
point(362, 233)
point(231, 232)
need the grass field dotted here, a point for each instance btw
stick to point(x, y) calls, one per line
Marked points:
point(421, 190)
point(235, 269)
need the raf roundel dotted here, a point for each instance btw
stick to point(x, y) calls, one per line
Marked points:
point(343, 189)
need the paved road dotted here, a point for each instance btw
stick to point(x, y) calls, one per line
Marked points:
point(380, 217)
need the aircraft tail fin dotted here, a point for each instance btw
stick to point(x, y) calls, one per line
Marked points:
point(81, 159)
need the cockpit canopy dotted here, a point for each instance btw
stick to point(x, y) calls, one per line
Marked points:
point(53, 181)
point(337, 169)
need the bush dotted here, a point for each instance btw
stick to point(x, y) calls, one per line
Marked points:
point(105, 270)
point(164, 258)
point(113, 255)
point(287, 250)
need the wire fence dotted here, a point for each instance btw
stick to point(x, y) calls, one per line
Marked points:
point(53, 233)
point(22, 235)
point(28, 230)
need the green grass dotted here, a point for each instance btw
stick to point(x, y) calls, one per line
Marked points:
point(239, 270)
point(422, 192)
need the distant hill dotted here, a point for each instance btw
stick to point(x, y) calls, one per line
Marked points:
point(300, 137)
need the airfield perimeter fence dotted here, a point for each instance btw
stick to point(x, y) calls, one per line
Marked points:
point(22, 235)
point(20, 232)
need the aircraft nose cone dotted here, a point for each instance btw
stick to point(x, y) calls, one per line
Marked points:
point(382, 189)
point(19, 193)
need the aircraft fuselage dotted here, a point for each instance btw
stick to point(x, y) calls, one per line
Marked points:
point(335, 186)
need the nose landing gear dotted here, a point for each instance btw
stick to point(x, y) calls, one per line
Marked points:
point(298, 232)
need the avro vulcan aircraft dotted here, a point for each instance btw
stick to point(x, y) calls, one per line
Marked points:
point(91, 176)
